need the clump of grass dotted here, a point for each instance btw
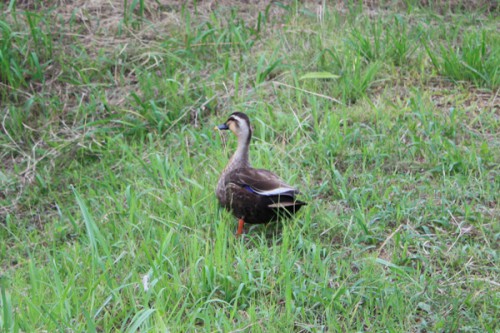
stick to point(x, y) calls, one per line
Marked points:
point(356, 75)
point(370, 46)
point(23, 56)
point(385, 39)
point(348, 75)
point(475, 59)
point(402, 42)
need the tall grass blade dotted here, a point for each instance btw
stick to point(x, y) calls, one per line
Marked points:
point(94, 235)
point(319, 75)
point(7, 319)
point(140, 318)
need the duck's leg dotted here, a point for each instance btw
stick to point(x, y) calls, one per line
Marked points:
point(241, 223)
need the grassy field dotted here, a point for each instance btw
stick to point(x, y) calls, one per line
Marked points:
point(386, 117)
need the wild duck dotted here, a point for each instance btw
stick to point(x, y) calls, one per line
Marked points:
point(252, 195)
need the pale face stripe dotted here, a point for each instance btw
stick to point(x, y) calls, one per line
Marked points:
point(241, 122)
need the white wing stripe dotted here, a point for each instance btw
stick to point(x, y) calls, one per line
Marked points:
point(277, 191)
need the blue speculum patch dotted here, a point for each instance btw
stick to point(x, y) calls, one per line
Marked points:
point(248, 188)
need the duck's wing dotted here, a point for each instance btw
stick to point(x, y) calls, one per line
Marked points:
point(261, 182)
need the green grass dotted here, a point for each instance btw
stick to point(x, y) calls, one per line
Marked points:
point(475, 59)
point(388, 124)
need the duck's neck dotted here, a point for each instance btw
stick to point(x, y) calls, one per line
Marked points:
point(240, 157)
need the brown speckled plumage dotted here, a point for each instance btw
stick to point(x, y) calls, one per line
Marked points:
point(252, 195)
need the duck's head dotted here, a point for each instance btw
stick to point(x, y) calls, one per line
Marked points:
point(239, 124)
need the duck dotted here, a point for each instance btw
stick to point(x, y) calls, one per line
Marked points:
point(254, 196)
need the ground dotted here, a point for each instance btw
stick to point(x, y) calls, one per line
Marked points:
point(384, 114)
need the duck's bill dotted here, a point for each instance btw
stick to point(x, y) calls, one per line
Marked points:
point(222, 127)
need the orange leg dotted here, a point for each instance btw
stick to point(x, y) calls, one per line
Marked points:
point(241, 223)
